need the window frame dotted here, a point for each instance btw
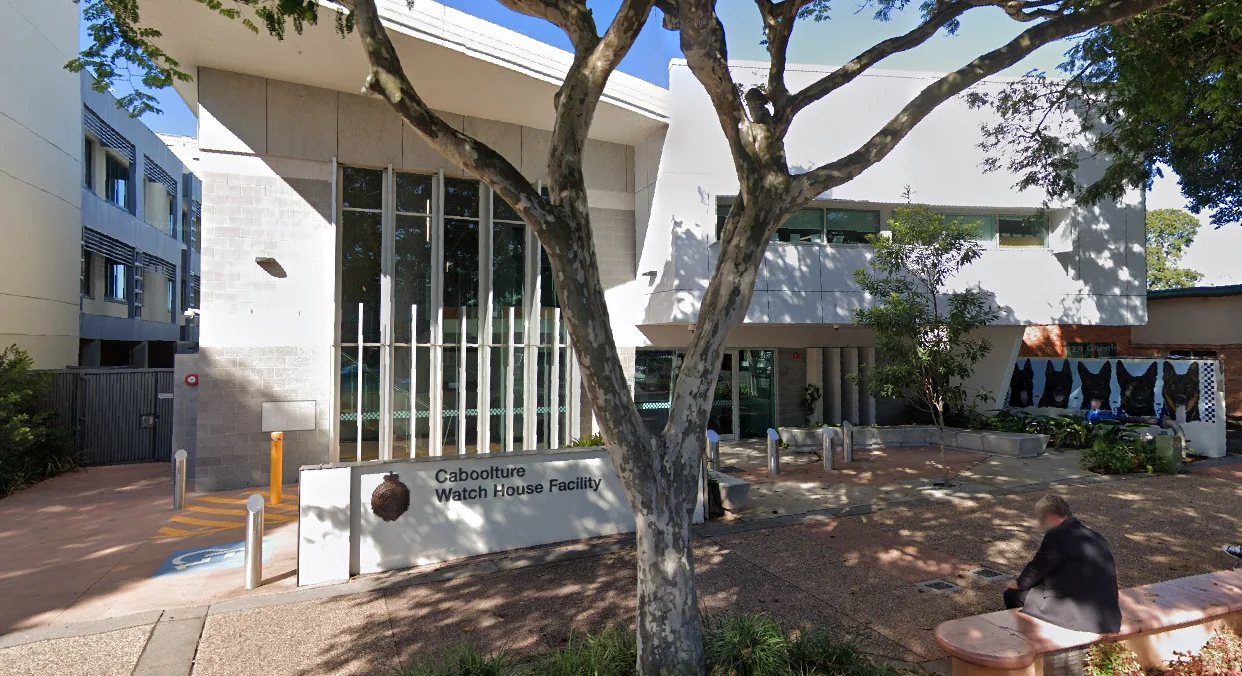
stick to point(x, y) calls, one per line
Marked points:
point(723, 201)
point(110, 191)
point(112, 282)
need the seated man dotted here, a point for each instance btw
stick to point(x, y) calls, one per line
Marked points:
point(1072, 581)
point(1098, 413)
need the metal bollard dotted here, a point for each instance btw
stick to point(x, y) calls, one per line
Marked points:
point(278, 465)
point(826, 434)
point(254, 541)
point(774, 453)
point(713, 450)
point(179, 479)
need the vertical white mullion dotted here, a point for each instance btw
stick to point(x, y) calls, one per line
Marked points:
point(486, 297)
point(575, 394)
point(508, 398)
point(530, 390)
point(435, 379)
point(386, 379)
point(554, 384)
point(735, 390)
point(358, 408)
point(461, 382)
point(413, 379)
point(334, 454)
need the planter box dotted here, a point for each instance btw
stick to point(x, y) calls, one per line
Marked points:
point(1013, 444)
point(734, 492)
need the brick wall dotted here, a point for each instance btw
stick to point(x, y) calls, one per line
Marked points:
point(1050, 341)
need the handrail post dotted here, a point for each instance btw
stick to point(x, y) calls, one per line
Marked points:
point(179, 460)
point(254, 541)
point(278, 465)
point(713, 450)
point(774, 453)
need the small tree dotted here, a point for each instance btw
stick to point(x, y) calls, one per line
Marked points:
point(1169, 233)
point(924, 336)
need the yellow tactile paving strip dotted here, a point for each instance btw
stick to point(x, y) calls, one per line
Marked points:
point(211, 512)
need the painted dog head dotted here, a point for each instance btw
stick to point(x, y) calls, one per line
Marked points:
point(1022, 386)
point(1096, 385)
point(1057, 386)
point(1138, 393)
point(1181, 392)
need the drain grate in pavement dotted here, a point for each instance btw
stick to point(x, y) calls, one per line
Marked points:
point(938, 585)
point(989, 573)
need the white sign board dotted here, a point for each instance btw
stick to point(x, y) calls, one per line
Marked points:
point(288, 416)
point(459, 506)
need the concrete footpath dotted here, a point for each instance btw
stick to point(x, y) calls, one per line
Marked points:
point(853, 570)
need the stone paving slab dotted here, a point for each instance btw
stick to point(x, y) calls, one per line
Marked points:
point(107, 654)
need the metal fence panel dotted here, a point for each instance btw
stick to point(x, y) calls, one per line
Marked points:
point(117, 416)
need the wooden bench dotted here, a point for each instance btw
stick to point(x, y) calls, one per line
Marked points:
point(1156, 620)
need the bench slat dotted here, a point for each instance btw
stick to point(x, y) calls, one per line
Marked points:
point(1010, 640)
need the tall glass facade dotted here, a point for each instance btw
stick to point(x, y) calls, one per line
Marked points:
point(445, 298)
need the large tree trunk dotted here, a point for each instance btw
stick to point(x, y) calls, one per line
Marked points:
point(670, 639)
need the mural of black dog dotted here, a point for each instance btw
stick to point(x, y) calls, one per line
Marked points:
point(1057, 386)
point(1022, 386)
point(1096, 385)
point(1181, 390)
point(1138, 393)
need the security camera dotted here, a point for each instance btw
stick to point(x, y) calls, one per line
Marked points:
point(192, 312)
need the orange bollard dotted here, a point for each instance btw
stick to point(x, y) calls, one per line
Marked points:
point(278, 461)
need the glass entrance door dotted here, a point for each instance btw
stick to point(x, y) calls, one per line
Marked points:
point(722, 418)
point(754, 392)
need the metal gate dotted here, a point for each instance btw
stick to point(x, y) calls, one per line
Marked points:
point(117, 416)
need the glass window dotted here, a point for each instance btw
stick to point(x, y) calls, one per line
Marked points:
point(723, 207)
point(851, 226)
point(88, 264)
point(168, 299)
point(114, 280)
point(461, 259)
point(655, 372)
point(88, 164)
point(508, 271)
point(412, 251)
point(172, 215)
point(1023, 231)
point(116, 181)
point(805, 226)
point(985, 225)
point(361, 250)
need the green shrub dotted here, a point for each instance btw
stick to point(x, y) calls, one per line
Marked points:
point(744, 645)
point(31, 448)
point(740, 645)
point(596, 439)
point(612, 652)
point(1222, 656)
point(462, 661)
point(1117, 449)
point(1111, 659)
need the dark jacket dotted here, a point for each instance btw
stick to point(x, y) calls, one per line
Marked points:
point(1072, 581)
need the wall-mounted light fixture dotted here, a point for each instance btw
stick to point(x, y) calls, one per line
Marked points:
point(271, 266)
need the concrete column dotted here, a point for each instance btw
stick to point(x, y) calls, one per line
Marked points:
point(138, 355)
point(91, 353)
point(815, 376)
point(869, 360)
point(832, 391)
point(849, 407)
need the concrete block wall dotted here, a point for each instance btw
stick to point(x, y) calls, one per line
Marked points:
point(264, 337)
point(614, 245)
point(185, 410)
point(790, 384)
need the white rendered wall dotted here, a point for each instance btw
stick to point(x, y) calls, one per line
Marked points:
point(1091, 273)
point(40, 181)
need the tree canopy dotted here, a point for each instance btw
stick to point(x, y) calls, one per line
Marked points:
point(1162, 89)
point(1169, 233)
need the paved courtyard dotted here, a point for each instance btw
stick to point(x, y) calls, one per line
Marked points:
point(840, 562)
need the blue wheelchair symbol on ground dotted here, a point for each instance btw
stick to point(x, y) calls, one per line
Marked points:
point(211, 557)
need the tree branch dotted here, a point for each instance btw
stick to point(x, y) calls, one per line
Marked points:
point(882, 143)
point(703, 44)
point(571, 16)
point(842, 76)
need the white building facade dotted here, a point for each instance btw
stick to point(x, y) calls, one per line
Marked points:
point(350, 271)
